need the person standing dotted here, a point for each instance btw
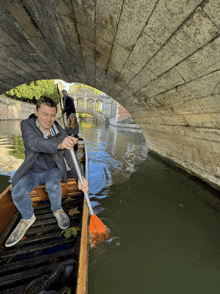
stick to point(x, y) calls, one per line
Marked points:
point(68, 104)
point(46, 145)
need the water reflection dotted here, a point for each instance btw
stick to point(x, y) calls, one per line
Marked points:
point(113, 153)
point(163, 223)
point(8, 163)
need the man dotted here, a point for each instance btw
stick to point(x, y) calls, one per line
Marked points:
point(45, 145)
point(68, 104)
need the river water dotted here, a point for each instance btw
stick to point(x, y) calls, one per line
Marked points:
point(164, 224)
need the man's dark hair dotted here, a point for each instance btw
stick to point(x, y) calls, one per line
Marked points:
point(47, 101)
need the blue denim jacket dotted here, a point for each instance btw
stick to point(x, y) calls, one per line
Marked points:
point(34, 143)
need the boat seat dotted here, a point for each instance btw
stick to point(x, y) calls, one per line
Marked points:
point(40, 193)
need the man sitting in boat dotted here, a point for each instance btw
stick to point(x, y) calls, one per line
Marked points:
point(45, 145)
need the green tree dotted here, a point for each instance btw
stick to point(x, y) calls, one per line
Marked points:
point(37, 89)
point(81, 88)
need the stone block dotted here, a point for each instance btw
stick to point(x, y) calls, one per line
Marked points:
point(168, 15)
point(24, 19)
point(165, 82)
point(103, 47)
point(182, 108)
point(166, 58)
point(202, 62)
point(199, 88)
point(175, 120)
point(199, 120)
point(212, 9)
point(157, 120)
point(143, 51)
point(115, 90)
point(118, 57)
point(143, 78)
point(124, 77)
point(88, 50)
point(133, 19)
point(216, 147)
point(194, 105)
point(112, 75)
point(107, 17)
point(215, 119)
point(199, 29)
point(210, 104)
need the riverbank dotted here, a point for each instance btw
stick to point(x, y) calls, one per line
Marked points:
point(14, 109)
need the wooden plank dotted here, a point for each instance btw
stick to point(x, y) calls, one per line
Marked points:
point(20, 277)
point(19, 289)
point(10, 253)
point(33, 262)
point(44, 229)
point(9, 227)
point(41, 237)
point(7, 209)
point(41, 193)
point(83, 258)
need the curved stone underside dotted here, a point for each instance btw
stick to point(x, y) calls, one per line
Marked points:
point(160, 59)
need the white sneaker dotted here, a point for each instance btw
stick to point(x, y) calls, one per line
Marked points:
point(62, 219)
point(20, 231)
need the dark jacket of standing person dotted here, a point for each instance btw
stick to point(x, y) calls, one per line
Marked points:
point(68, 103)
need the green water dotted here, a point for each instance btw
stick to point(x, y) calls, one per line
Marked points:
point(165, 235)
point(164, 224)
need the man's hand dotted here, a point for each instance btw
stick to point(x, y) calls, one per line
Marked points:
point(68, 143)
point(84, 187)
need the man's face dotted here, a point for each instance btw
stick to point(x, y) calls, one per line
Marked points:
point(64, 93)
point(46, 116)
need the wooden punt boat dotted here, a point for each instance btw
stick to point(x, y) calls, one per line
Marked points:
point(43, 248)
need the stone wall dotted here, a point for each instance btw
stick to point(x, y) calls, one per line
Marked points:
point(14, 109)
point(122, 112)
point(159, 59)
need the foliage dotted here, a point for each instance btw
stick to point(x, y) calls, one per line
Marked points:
point(34, 89)
point(70, 232)
point(84, 115)
point(81, 88)
point(65, 290)
point(18, 147)
point(85, 125)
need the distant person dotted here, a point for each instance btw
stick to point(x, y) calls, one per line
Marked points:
point(46, 145)
point(68, 104)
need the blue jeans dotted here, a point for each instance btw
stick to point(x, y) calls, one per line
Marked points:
point(20, 193)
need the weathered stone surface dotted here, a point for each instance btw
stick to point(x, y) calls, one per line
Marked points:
point(13, 109)
point(159, 59)
point(107, 17)
point(133, 19)
point(199, 30)
point(169, 15)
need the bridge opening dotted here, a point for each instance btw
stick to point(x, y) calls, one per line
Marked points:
point(95, 104)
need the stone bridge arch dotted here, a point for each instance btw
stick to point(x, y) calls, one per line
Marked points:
point(159, 59)
point(100, 116)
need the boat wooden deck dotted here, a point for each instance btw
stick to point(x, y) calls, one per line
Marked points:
point(44, 247)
